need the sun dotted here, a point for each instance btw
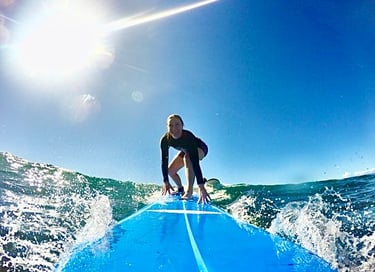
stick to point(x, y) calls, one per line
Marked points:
point(61, 43)
point(66, 40)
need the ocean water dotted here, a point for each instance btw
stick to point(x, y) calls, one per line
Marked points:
point(45, 211)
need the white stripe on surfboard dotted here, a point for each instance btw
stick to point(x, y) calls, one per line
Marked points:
point(197, 254)
point(183, 211)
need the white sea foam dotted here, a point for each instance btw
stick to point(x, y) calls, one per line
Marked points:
point(306, 224)
point(98, 222)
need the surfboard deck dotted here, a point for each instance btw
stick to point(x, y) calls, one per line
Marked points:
point(176, 235)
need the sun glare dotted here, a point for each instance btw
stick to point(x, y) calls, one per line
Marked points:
point(67, 39)
point(126, 22)
point(60, 43)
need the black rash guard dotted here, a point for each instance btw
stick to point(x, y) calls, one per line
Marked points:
point(187, 143)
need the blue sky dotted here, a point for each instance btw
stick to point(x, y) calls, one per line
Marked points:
point(281, 91)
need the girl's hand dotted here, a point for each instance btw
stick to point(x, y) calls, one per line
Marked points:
point(204, 197)
point(167, 187)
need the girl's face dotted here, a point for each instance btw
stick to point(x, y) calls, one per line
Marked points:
point(175, 127)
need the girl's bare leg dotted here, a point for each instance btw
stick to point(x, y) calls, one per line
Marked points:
point(190, 175)
point(176, 164)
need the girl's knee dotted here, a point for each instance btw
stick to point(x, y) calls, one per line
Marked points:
point(172, 172)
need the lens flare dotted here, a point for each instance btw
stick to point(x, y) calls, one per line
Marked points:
point(68, 40)
point(129, 22)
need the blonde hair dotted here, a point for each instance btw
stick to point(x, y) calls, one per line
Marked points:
point(170, 117)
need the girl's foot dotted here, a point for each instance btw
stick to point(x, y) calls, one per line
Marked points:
point(187, 196)
point(180, 191)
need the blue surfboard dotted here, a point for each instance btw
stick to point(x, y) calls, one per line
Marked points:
point(176, 235)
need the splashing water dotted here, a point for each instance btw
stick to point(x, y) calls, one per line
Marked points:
point(46, 211)
point(335, 223)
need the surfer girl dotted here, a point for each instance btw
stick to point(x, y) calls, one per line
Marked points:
point(192, 150)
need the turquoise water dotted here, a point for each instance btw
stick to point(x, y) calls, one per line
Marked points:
point(46, 210)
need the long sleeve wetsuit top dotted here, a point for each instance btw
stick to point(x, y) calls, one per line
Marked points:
point(188, 144)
